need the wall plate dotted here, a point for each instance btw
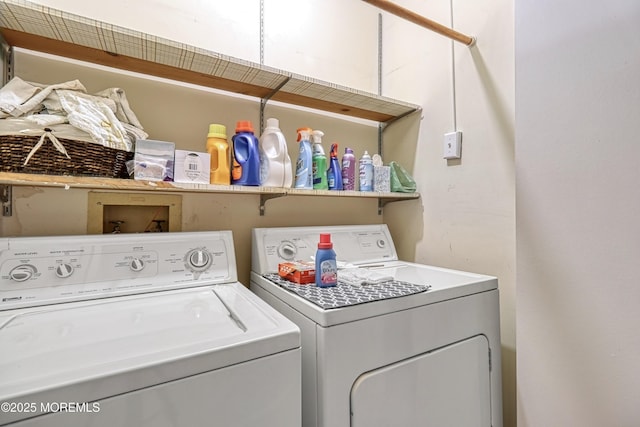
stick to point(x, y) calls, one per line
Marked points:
point(452, 145)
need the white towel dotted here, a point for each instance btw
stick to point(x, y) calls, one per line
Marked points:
point(13, 94)
point(362, 276)
point(134, 133)
point(88, 113)
point(124, 113)
point(22, 126)
point(46, 120)
point(53, 105)
point(35, 102)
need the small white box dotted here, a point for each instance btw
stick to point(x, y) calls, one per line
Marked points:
point(382, 179)
point(191, 167)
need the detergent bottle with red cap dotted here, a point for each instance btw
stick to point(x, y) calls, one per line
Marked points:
point(326, 264)
point(246, 155)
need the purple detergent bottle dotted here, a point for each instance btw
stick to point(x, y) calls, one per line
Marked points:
point(348, 170)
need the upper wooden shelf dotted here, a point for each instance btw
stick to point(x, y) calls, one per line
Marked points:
point(40, 28)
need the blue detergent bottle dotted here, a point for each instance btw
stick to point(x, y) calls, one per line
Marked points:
point(246, 155)
point(304, 165)
point(334, 173)
point(326, 264)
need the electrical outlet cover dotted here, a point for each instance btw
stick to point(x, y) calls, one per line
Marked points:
point(452, 145)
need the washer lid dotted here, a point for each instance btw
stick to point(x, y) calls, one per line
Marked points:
point(135, 339)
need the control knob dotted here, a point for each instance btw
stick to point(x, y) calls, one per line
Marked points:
point(22, 273)
point(287, 250)
point(136, 264)
point(64, 270)
point(199, 259)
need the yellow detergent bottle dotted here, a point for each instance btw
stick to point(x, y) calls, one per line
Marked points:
point(218, 148)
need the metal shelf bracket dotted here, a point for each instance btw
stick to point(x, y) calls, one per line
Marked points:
point(265, 197)
point(263, 101)
point(6, 192)
point(383, 202)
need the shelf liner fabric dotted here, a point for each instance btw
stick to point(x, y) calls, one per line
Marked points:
point(44, 21)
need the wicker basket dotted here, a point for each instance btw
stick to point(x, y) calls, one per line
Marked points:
point(85, 158)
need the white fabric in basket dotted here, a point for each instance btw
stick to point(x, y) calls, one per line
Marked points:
point(94, 117)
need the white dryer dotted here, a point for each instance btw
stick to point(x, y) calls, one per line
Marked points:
point(415, 345)
point(140, 330)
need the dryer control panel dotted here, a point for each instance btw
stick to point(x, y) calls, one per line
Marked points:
point(47, 270)
point(357, 244)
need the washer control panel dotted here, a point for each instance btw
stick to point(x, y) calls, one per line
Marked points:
point(46, 270)
point(358, 244)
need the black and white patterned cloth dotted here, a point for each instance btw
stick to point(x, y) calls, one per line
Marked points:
point(346, 294)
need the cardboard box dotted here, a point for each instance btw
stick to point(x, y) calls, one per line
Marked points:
point(191, 167)
point(301, 272)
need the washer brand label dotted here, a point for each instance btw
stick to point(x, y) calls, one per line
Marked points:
point(10, 299)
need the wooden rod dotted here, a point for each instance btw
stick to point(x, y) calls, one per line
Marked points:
point(422, 21)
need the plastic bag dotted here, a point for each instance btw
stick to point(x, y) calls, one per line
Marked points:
point(401, 181)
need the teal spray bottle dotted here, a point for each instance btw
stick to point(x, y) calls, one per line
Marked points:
point(319, 162)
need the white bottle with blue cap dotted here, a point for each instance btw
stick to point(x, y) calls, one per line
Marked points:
point(366, 172)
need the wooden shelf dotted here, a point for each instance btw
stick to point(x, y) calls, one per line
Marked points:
point(40, 28)
point(130, 185)
point(99, 183)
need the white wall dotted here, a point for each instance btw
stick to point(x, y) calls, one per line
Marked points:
point(578, 235)
point(465, 216)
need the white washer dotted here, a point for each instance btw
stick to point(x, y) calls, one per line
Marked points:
point(430, 358)
point(140, 330)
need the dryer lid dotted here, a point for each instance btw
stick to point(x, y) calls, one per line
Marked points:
point(195, 330)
